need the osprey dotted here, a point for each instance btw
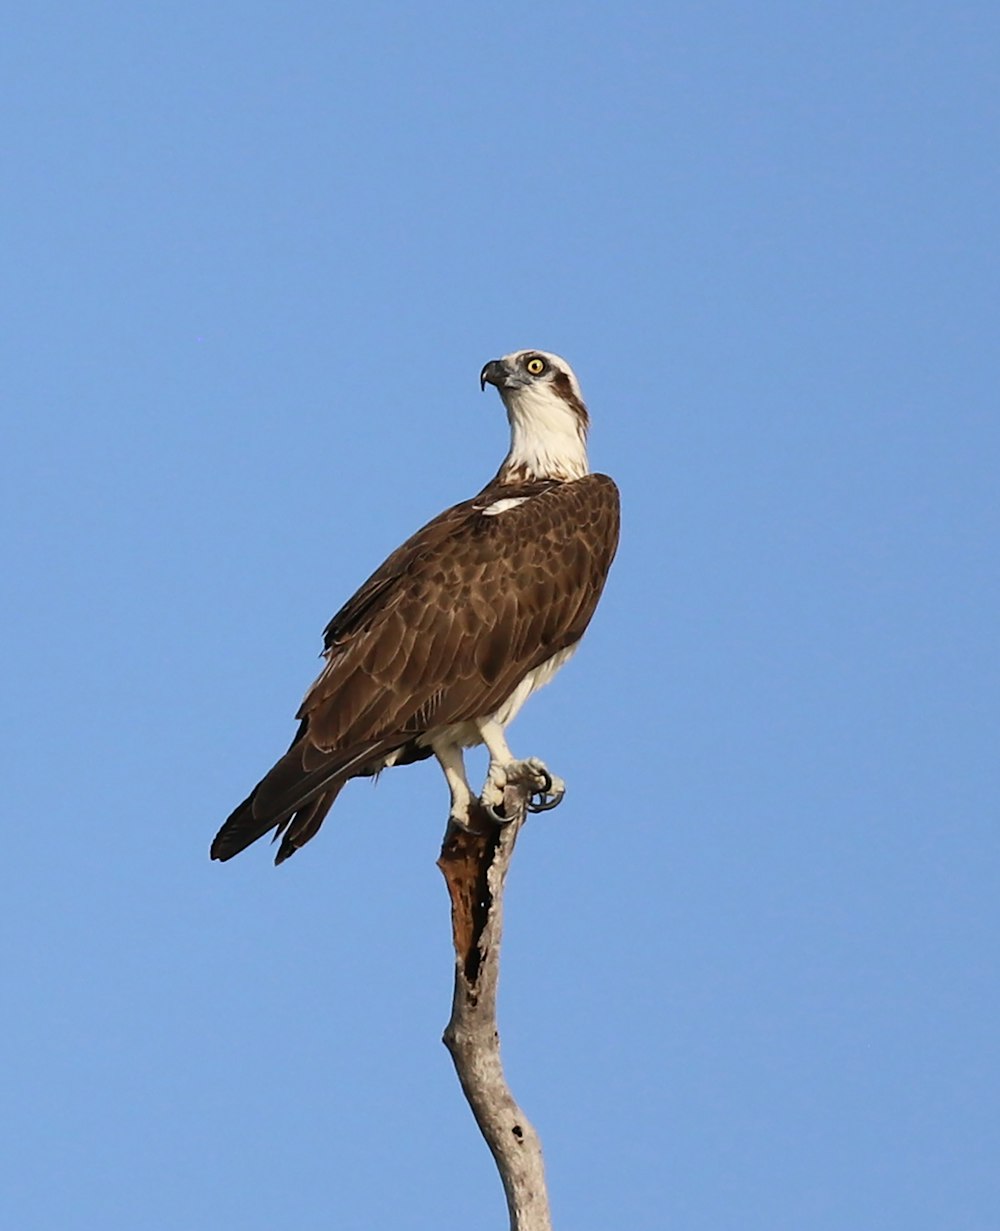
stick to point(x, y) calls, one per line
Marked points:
point(447, 639)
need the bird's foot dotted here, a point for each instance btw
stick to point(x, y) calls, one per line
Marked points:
point(462, 822)
point(540, 791)
point(468, 818)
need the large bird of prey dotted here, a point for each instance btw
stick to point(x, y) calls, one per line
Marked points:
point(447, 639)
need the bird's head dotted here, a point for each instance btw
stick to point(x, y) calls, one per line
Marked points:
point(547, 415)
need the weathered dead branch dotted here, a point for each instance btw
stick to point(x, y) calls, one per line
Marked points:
point(475, 868)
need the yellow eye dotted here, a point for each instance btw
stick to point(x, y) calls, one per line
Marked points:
point(535, 366)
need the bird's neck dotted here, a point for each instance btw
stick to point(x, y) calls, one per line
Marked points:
point(547, 441)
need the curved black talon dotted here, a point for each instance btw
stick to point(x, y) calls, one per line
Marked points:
point(498, 817)
point(545, 802)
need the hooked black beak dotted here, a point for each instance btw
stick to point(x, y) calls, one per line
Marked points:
point(494, 373)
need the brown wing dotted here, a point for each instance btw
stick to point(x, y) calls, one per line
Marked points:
point(451, 635)
point(441, 633)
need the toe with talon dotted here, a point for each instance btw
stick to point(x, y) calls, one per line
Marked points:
point(548, 798)
point(492, 801)
point(550, 790)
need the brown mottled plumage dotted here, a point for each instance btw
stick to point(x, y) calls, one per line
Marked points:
point(442, 635)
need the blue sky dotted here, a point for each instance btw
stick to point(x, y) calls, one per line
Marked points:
point(255, 256)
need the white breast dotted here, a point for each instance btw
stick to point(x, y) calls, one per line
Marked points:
point(531, 683)
point(467, 734)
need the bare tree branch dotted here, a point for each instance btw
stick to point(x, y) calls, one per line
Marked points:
point(475, 868)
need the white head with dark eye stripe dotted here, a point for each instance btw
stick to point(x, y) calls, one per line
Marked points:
point(547, 415)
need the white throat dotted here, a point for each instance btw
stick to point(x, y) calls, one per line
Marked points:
point(547, 438)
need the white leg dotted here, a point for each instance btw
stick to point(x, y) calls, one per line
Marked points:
point(453, 763)
point(500, 758)
point(495, 740)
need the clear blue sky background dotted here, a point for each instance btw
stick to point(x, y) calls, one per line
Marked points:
point(254, 258)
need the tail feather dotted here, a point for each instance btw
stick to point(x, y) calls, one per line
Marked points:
point(288, 786)
point(305, 824)
point(292, 800)
point(241, 828)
